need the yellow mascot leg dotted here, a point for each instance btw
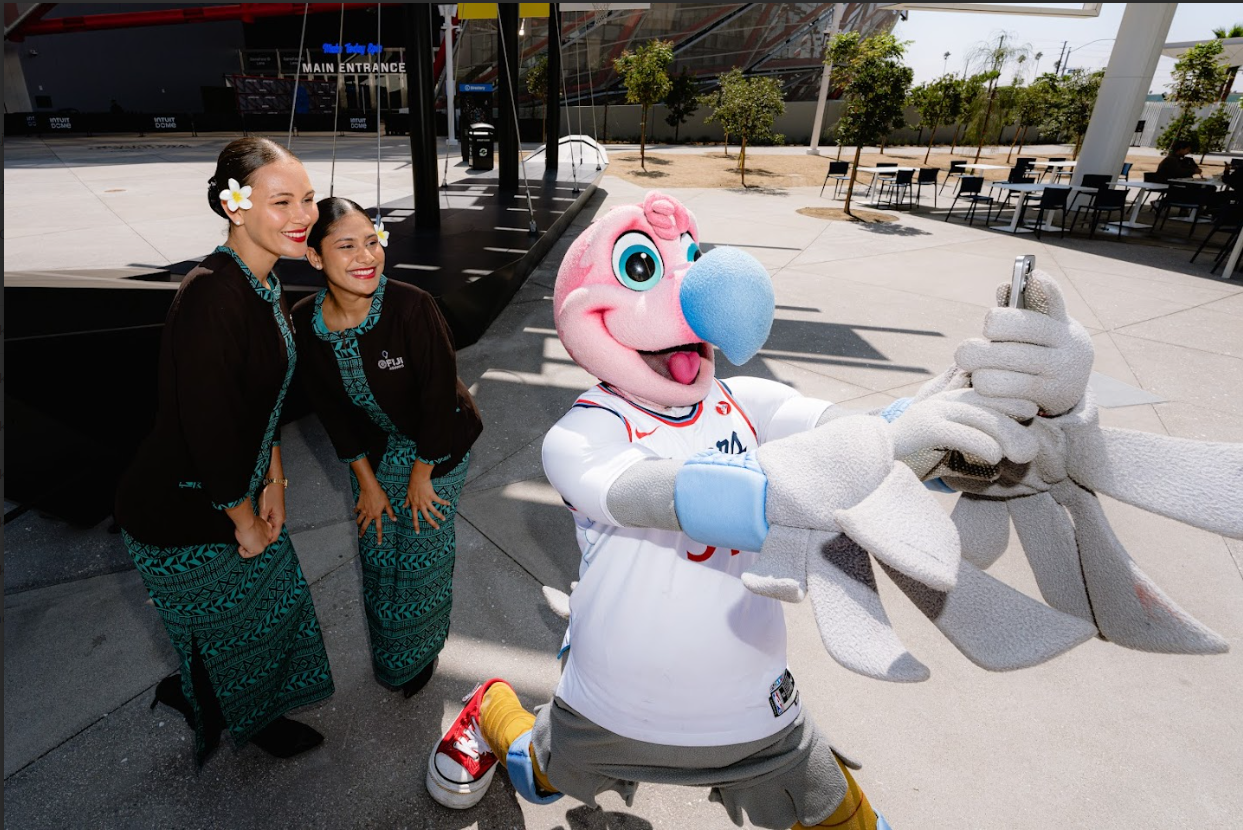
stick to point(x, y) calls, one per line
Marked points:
point(506, 726)
point(854, 813)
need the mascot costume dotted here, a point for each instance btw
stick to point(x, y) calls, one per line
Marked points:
point(700, 504)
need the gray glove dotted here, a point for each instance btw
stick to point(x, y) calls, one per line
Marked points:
point(1045, 358)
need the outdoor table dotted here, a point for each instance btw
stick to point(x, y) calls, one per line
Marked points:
point(1133, 223)
point(1025, 190)
point(1212, 181)
point(1066, 164)
point(880, 171)
point(982, 166)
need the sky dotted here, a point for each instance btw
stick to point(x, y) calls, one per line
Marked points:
point(1090, 39)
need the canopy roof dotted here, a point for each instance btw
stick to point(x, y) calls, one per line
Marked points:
point(1232, 49)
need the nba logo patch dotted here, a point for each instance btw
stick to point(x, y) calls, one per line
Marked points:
point(782, 694)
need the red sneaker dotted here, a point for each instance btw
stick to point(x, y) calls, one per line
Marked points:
point(461, 766)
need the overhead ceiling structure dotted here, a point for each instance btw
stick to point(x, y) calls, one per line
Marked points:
point(785, 40)
point(1231, 53)
point(1025, 9)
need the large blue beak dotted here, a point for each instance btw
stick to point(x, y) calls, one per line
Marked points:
point(727, 300)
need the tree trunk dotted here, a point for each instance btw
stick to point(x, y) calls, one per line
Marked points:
point(919, 139)
point(1015, 140)
point(988, 113)
point(854, 174)
point(643, 140)
point(954, 143)
point(931, 138)
point(742, 160)
point(839, 151)
point(1024, 139)
point(1078, 143)
point(726, 142)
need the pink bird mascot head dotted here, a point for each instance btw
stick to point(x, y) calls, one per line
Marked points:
point(639, 306)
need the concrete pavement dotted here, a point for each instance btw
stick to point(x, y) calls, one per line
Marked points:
point(1100, 738)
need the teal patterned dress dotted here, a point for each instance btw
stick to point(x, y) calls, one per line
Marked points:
point(250, 620)
point(408, 577)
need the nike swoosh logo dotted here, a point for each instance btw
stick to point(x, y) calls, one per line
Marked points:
point(638, 434)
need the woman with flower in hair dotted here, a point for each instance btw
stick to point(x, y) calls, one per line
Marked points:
point(202, 506)
point(379, 366)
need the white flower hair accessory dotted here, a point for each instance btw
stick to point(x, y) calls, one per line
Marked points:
point(236, 197)
point(380, 233)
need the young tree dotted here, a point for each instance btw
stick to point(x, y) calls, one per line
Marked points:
point(748, 108)
point(710, 101)
point(939, 102)
point(537, 86)
point(1221, 34)
point(1029, 110)
point(682, 100)
point(972, 102)
point(1070, 103)
point(1212, 131)
point(1196, 82)
point(874, 89)
point(645, 74)
point(994, 58)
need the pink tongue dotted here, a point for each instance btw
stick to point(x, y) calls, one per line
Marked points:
point(684, 366)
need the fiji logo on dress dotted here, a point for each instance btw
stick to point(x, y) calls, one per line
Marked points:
point(387, 362)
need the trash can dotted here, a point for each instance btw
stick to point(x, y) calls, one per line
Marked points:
point(481, 140)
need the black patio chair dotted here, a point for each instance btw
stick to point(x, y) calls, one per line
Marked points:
point(1047, 169)
point(1104, 201)
point(1227, 218)
point(1192, 197)
point(969, 188)
point(1051, 199)
point(927, 176)
point(839, 172)
point(1126, 171)
point(878, 177)
point(1018, 175)
point(956, 172)
point(1096, 181)
point(900, 184)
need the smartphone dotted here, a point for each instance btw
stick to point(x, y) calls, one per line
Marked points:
point(1023, 266)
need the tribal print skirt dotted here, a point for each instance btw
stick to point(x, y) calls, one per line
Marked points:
point(250, 621)
point(408, 580)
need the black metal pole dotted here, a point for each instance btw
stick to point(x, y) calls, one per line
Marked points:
point(507, 94)
point(421, 87)
point(552, 99)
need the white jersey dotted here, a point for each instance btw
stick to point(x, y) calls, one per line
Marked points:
point(666, 645)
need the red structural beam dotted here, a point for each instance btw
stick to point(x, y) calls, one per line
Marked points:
point(245, 12)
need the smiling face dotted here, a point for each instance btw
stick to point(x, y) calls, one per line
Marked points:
point(283, 210)
point(618, 307)
point(350, 255)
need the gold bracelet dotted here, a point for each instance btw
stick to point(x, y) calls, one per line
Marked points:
point(284, 482)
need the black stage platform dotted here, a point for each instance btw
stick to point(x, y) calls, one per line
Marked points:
point(82, 349)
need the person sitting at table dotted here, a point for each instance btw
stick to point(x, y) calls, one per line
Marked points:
point(1178, 164)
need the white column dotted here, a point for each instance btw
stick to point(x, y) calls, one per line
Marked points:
point(838, 10)
point(1132, 63)
point(16, 95)
point(447, 13)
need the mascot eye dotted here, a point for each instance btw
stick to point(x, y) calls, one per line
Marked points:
point(636, 262)
point(692, 247)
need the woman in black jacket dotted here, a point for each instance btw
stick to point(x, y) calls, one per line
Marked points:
point(379, 365)
point(203, 504)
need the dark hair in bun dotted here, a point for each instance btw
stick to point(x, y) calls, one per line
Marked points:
point(331, 211)
point(239, 160)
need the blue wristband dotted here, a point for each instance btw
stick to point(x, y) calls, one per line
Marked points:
point(892, 413)
point(719, 500)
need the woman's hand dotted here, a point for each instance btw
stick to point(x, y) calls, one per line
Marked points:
point(372, 504)
point(272, 508)
point(253, 536)
point(421, 497)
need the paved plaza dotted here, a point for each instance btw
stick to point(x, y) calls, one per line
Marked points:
point(1101, 737)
